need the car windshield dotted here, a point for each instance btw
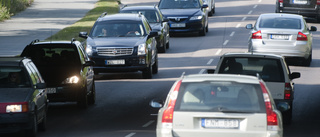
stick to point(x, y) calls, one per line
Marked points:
point(118, 29)
point(151, 15)
point(220, 96)
point(13, 77)
point(179, 4)
point(280, 23)
point(270, 70)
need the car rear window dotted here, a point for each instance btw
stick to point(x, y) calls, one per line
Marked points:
point(179, 4)
point(280, 22)
point(13, 77)
point(270, 70)
point(151, 15)
point(220, 96)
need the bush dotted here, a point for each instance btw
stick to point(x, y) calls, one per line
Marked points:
point(11, 7)
point(4, 13)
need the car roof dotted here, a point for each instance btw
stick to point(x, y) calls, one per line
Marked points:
point(281, 15)
point(138, 8)
point(221, 77)
point(12, 61)
point(121, 16)
point(249, 54)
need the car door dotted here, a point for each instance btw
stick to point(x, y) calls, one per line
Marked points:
point(87, 71)
point(150, 42)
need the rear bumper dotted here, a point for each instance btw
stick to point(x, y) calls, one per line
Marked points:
point(306, 12)
point(66, 93)
point(11, 123)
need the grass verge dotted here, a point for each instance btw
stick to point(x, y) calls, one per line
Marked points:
point(85, 24)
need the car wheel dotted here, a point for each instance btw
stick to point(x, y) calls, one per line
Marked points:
point(162, 47)
point(207, 28)
point(92, 96)
point(43, 125)
point(167, 44)
point(287, 116)
point(147, 73)
point(307, 61)
point(155, 66)
point(83, 99)
point(211, 12)
point(203, 31)
point(34, 128)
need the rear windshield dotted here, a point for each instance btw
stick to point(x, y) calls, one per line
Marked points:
point(280, 22)
point(179, 4)
point(13, 77)
point(151, 15)
point(217, 96)
point(270, 70)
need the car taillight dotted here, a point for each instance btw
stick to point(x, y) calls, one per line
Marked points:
point(257, 35)
point(318, 2)
point(272, 119)
point(168, 113)
point(287, 91)
point(302, 37)
point(280, 1)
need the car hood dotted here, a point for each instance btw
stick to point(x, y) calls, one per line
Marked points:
point(155, 26)
point(115, 41)
point(180, 12)
point(14, 94)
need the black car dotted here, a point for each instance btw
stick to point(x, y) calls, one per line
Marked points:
point(66, 68)
point(307, 8)
point(185, 15)
point(157, 23)
point(23, 97)
point(122, 43)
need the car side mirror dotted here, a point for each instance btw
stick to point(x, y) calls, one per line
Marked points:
point(249, 26)
point(156, 103)
point(153, 34)
point(283, 106)
point(313, 28)
point(83, 35)
point(41, 85)
point(294, 75)
point(210, 71)
point(204, 6)
point(89, 63)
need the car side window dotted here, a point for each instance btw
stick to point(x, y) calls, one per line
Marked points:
point(32, 75)
point(37, 76)
point(146, 25)
point(82, 56)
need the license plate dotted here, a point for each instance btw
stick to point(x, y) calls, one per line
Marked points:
point(178, 25)
point(220, 123)
point(279, 37)
point(115, 62)
point(51, 90)
point(299, 1)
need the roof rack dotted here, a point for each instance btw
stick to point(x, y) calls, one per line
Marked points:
point(34, 41)
point(72, 40)
point(140, 13)
point(103, 14)
point(124, 6)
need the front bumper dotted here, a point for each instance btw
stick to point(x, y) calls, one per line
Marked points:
point(191, 26)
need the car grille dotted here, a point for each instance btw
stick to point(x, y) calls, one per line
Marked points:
point(108, 51)
point(177, 19)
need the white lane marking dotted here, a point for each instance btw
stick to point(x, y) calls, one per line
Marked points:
point(259, 0)
point(244, 18)
point(148, 124)
point(183, 74)
point(238, 25)
point(202, 71)
point(250, 12)
point(225, 42)
point(130, 135)
point(255, 6)
point(210, 61)
point(218, 52)
point(232, 33)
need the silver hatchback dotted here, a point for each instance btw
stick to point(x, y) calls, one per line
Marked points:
point(226, 105)
point(284, 34)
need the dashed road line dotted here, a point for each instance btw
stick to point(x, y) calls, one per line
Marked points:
point(218, 52)
point(250, 12)
point(225, 42)
point(232, 33)
point(210, 61)
point(259, 0)
point(148, 124)
point(244, 18)
point(202, 71)
point(130, 135)
point(255, 6)
point(238, 25)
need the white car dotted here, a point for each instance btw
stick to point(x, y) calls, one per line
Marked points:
point(283, 34)
point(211, 6)
point(209, 105)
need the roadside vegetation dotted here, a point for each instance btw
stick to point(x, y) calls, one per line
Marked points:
point(9, 8)
point(85, 24)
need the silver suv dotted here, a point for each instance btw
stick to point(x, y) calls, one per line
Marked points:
point(271, 68)
point(208, 105)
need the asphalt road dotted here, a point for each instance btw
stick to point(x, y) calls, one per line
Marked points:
point(122, 107)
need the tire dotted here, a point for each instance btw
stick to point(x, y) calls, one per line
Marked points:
point(210, 13)
point(92, 96)
point(162, 48)
point(207, 28)
point(34, 127)
point(287, 116)
point(202, 32)
point(155, 66)
point(43, 125)
point(83, 99)
point(147, 73)
point(213, 11)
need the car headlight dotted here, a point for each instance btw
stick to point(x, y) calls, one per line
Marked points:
point(142, 50)
point(71, 80)
point(17, 107)
point(89, 50)
point(196, 18)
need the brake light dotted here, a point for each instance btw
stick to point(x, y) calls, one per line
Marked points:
point(15, 107)
point(318, 2)
point(168, 113)
point(287, 91)
point(257, 35)
point(280, 1)
point(302, 37)
point(272, 119)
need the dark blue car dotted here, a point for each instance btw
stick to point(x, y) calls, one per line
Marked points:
point(185, 15)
